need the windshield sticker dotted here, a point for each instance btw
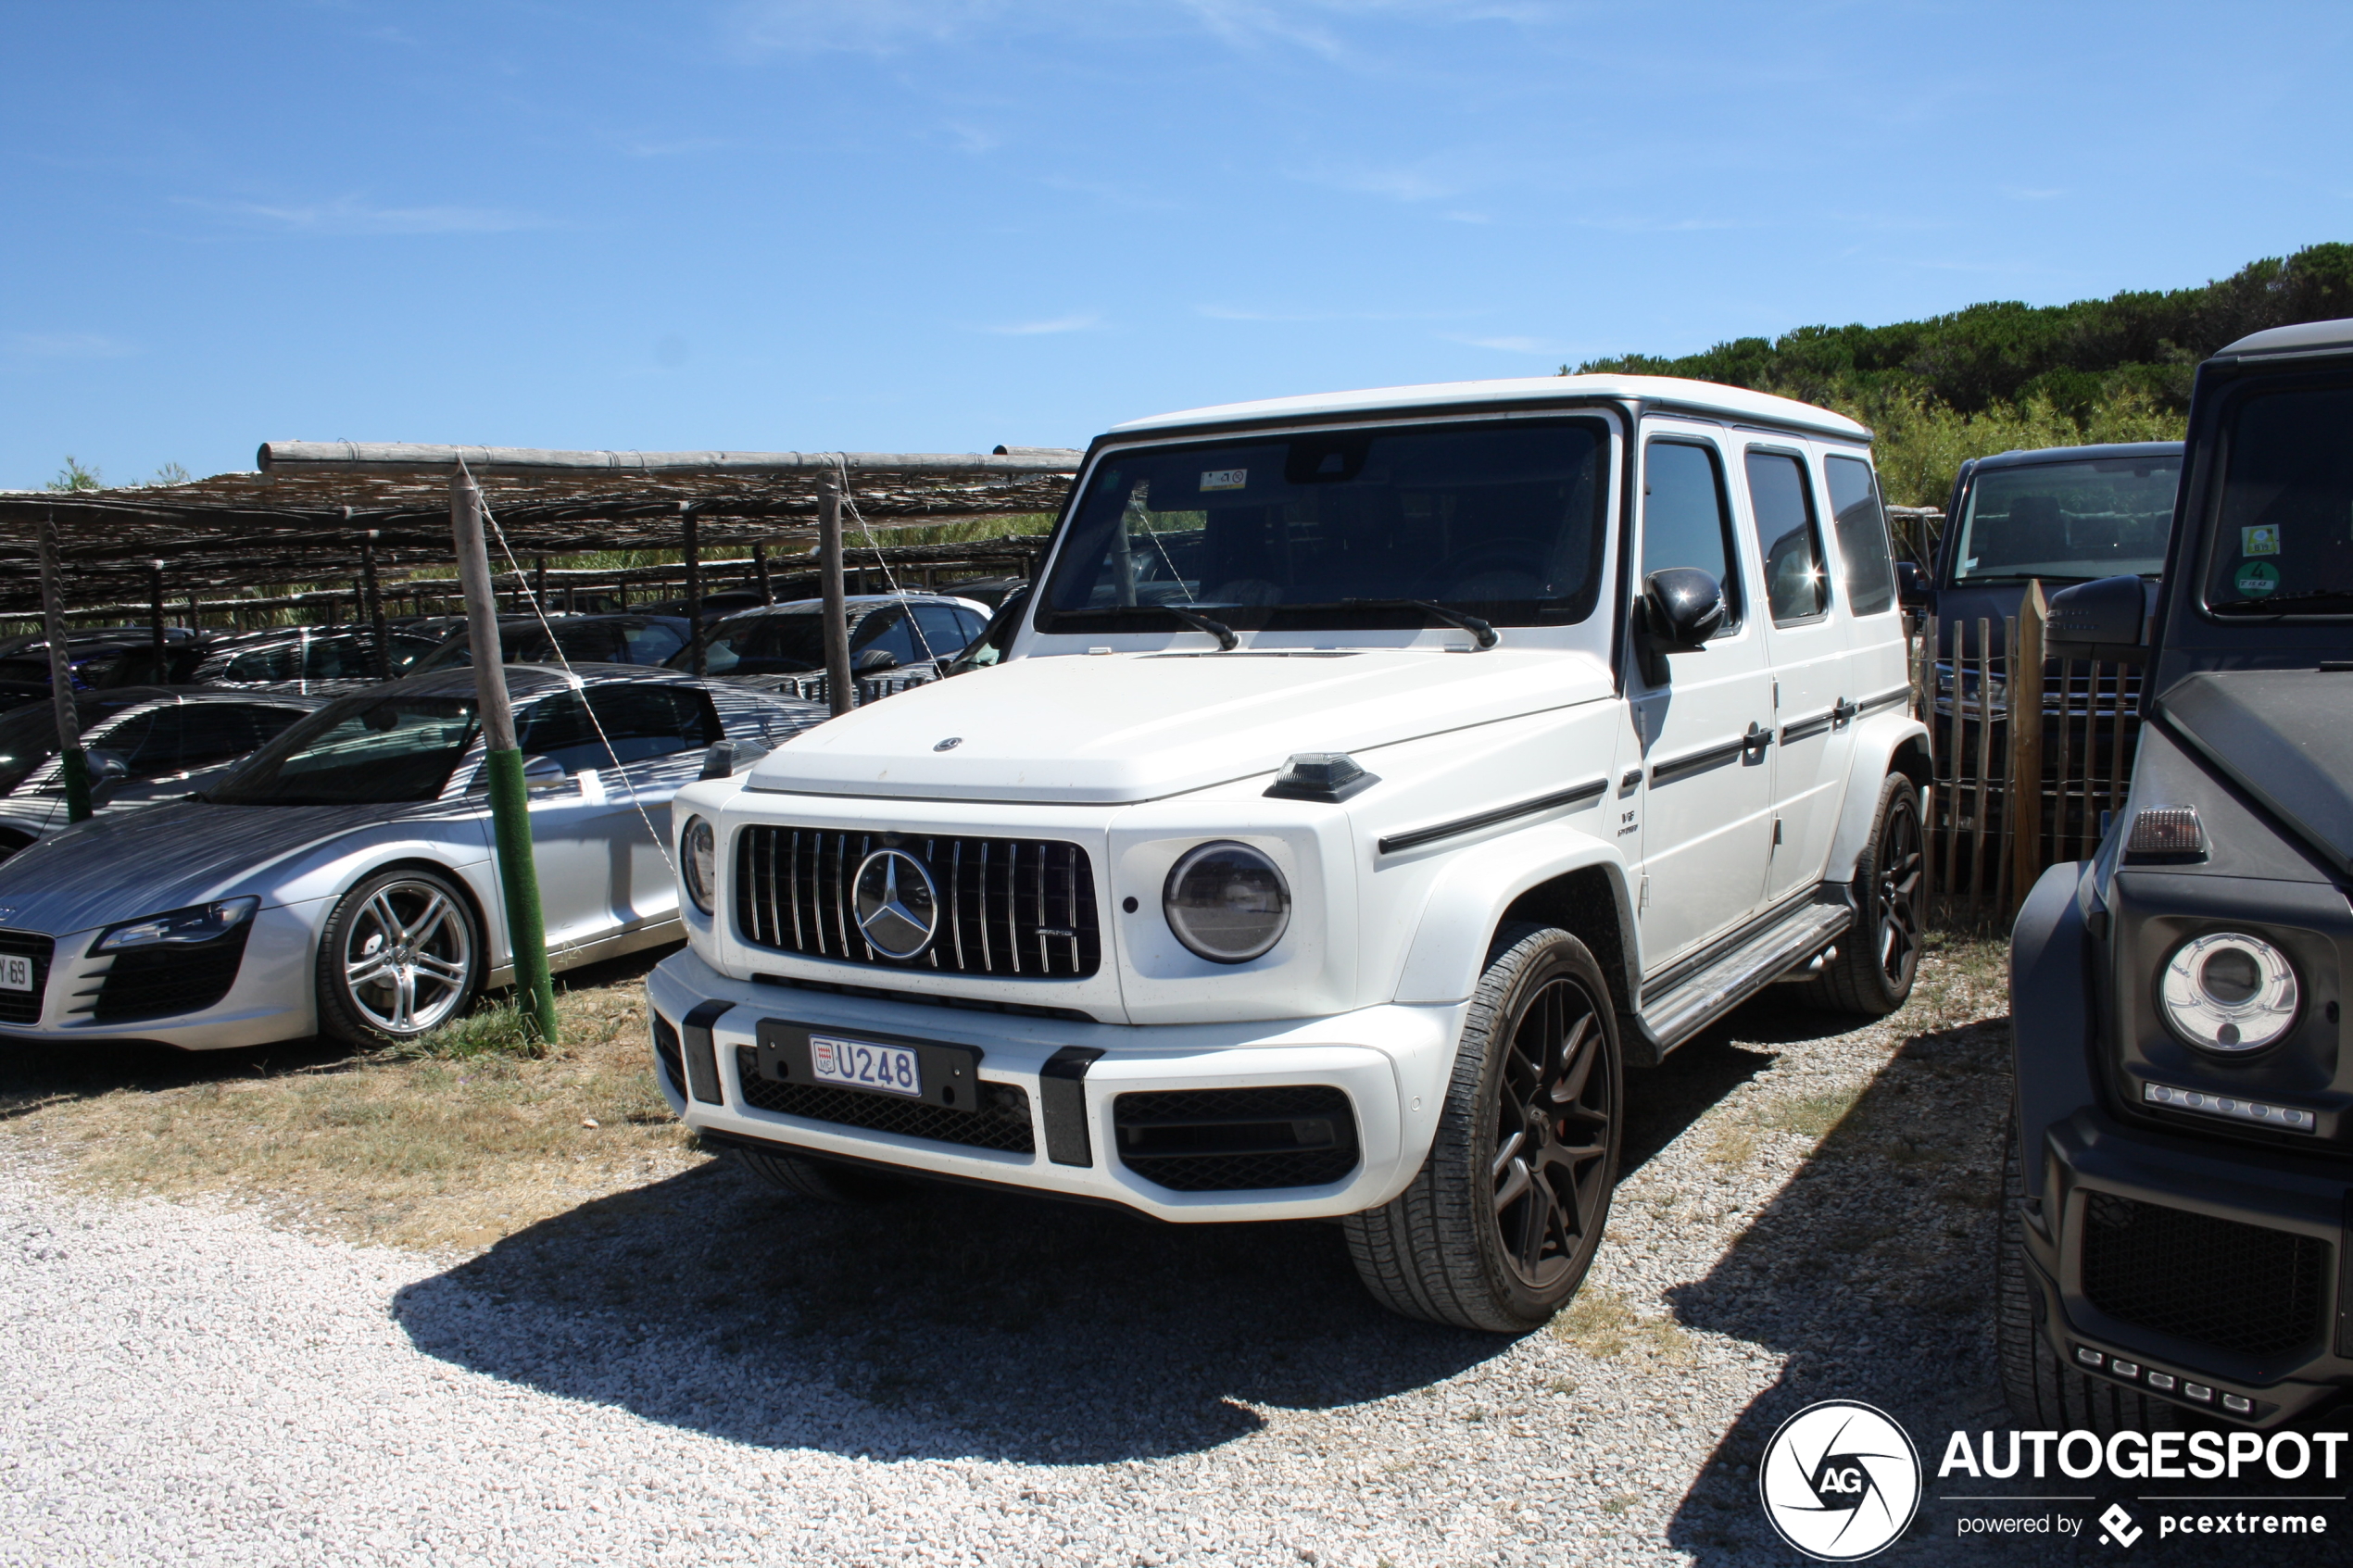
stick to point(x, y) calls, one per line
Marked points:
point(1970, 565)
point(2256, 579)
point(2262, 540)
point(1225, 479)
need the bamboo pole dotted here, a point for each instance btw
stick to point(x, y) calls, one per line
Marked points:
point(73, 765)
point(841, 694)
point(693, 552)
point(375, 606)
point(2026, 737)
point(155, 614)
point(502, 763)
point(760, 571)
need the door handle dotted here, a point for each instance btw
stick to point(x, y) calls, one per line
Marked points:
point(1844, 712)
point(1759, 737)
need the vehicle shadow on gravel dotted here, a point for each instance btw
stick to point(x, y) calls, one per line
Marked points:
point(35, 1075)
point(955, 1322)
point(1872, 1273)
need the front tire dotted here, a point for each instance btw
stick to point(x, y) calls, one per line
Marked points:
point(1498, 1228)
point(401, 957)
point(1879, 955)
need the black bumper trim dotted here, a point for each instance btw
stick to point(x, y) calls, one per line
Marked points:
point(1062, 1103)
point(702, 1054)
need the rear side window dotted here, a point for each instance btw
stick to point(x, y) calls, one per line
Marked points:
point(1686, 519)
point(649, 643)
point(1861, 523)
point(1795, 585)
point(650, 720)
point(943, 629)
point(283, 662)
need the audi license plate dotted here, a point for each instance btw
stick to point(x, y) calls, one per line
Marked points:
point(15, 972)
point(862, 1064)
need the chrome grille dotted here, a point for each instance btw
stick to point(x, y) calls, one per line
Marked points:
point(1011, 908)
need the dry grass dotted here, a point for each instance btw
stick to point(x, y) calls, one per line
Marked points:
point(1598, 1322)
point(454, 1149)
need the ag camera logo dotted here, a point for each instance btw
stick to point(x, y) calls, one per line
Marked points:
point(1841, 1481)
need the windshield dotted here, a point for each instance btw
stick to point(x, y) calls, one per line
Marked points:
point(2068, 522)
point(2283, 539)
point(371, 749)
point(1341, 529)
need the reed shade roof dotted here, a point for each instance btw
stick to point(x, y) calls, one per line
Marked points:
point(305, 516)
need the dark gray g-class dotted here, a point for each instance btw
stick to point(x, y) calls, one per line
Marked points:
point(2180, 1166)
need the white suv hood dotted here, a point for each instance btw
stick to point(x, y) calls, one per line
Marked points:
point(1111, 729)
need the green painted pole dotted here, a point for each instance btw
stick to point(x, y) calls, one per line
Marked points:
point(73, 765)
point(502, 765)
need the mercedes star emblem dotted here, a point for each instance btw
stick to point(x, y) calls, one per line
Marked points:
point(898, 905)
point(951, 743)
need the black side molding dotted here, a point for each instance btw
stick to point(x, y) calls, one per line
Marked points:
point(1577, 796)
point(702, 1056)
point(1061, 1101)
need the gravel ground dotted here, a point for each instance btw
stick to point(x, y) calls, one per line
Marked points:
point(701, 1371)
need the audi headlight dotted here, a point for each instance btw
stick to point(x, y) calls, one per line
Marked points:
point(699, 861)
point(202, 922)
point(2229, 992)
point(1226, 902)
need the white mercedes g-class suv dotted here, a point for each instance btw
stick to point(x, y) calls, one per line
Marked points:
point(1368, 783)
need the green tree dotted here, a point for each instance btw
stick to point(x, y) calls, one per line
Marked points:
point(73, 476)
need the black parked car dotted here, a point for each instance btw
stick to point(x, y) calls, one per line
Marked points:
point(2182, 1147)
point(318, 660)
point(584, 639)
point(887, 631)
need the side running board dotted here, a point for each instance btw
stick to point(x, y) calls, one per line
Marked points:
point(1754, 962)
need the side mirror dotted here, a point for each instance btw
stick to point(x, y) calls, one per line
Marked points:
point(1911, 586)
point(107, 769)
point(1681, 607)
point(875, 660)
point(2108, 620)
point(727, 758)
point(543, 772)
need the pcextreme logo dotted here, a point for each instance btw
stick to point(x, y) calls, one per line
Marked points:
point(1841, 1481)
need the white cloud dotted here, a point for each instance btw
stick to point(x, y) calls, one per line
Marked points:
point(1508, 345)
point(1084, 322)
point(350, 215)
point(70, 346)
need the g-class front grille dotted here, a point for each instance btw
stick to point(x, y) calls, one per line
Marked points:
point(1237, 1140)
point(1019, 909)
point(2242, 1287)
point(24, 1007)
point(1004, 1123)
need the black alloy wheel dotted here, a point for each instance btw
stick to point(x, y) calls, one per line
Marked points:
point(1498, 1228)
point(1876, 961)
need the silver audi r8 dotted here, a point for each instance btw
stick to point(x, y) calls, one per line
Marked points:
point(342, 880)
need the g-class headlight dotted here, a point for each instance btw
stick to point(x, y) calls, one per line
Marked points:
point(2229, 992)
point(1226, 902)
point(699, 861)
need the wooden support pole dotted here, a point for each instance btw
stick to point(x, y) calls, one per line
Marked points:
point(71, 763)
point(195, 616)
point(539, 585)
point(375, 606)
point(155, 615)
point(502, 763)
point(759, 572)
point(841, 693)
point(2026, 745)
point(694, 590)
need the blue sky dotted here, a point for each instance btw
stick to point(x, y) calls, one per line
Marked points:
point(899, 225)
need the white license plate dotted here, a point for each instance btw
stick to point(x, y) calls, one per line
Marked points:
point(861, 1064)
point(16, 973)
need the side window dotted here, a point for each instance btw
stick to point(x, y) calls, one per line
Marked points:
point(1863, 545)
point(887, 629)
point(280, 663)
point(649, 643)
point(943, 629)
point(215, 731)
point(558, 726)
point(643, 721)
point(340, 659)
point(1686, 518)
point(146, 742)
point(1795, 586)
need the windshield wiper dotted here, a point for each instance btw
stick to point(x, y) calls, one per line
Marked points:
point(1482, 633)
point(2305, 595)
point(1226, 641)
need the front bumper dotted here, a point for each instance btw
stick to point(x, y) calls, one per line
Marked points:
point(2195, 1266)
point(272, 998)
point(1391, 1061)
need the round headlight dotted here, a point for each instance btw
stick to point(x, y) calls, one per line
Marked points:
point(1226, 902)
point(698, 863)
point(2229, 992)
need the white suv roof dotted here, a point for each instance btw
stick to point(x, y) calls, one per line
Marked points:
point(1731, 402)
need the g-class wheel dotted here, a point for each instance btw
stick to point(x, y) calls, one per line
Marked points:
point(820, 1179)
point(1498, 1228)
point(1879, 955)
point(401, 957)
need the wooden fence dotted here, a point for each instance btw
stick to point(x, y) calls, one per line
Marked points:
point(1983, 856)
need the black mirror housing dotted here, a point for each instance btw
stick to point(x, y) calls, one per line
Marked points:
point(2107, 619)
point(1682, 609)
point(1911, 586)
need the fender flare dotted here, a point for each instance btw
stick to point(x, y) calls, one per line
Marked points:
point(1880, 743)
point(1449, 949)
point(2054, 1019)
